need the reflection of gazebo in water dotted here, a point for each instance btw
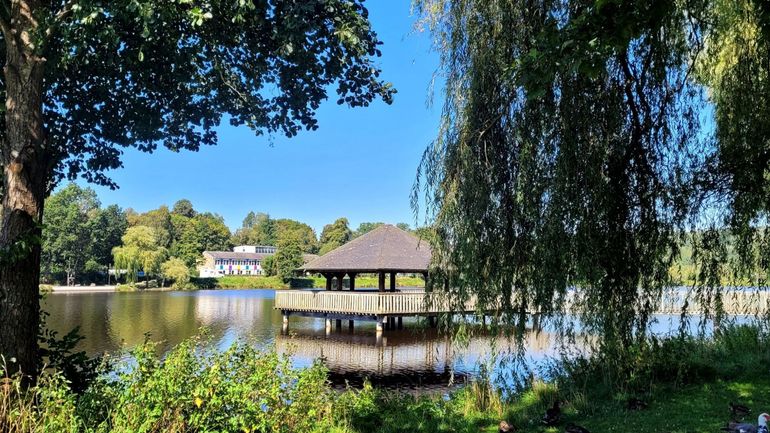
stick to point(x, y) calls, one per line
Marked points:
point(386, 250)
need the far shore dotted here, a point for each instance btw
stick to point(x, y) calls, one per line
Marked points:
point(83, 288)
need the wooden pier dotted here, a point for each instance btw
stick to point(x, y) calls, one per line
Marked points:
point(387, 307)
point(358, 305)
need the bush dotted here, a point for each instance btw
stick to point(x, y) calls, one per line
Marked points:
point(191, 389)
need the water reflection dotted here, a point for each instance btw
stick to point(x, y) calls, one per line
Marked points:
point(413, 358)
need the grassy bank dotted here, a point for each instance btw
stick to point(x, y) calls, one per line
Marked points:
point(687, 384)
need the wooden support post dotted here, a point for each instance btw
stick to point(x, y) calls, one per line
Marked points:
point(350, 325)
point(432, 322)
point(400, 322)
point(328, 325)
point(285, 317)
point(425, 278)
point(392, 281)
point(382, 282)
point(328, 281)
point(339, 324)
point(352, 281)
point(340, 278)
point(380, 321)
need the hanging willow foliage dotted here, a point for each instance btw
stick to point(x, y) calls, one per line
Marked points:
point(574, 158)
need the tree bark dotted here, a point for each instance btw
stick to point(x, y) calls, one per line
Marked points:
point(25, 175)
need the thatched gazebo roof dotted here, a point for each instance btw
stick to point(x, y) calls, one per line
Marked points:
point(384, 249)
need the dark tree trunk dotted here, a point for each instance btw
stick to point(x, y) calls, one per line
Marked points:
point(25, 175)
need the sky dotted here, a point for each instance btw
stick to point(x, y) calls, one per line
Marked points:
point(360, 163)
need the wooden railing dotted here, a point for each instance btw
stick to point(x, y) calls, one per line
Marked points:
point(373, 303)
point(735, 302)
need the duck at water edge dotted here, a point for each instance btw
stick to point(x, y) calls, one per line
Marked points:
point(743, 427)
point(739, 411)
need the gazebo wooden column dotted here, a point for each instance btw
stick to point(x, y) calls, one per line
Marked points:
point(382, 281)
point(340, 278)
point(392, 320)
point(352, 276)
point(328, 281)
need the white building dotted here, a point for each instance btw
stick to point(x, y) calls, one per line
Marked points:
point(261, 249)
point(242, 260)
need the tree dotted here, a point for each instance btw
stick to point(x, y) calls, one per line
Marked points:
point(107, 229)
point(193, 236)
point(82, 80)
point(257, 229)
point(67, 239)
point(268, 266)
point(404, 226)
point(365, 228)
point(140, 252)
point(184, 208)
point(160, 221)
point(571, 152)
point(286, 229)
point(175, 269)
point(288, 258)
point(335, 235)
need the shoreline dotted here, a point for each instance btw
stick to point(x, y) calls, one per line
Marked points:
point(82, 289)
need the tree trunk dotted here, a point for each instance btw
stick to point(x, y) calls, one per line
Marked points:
point(25, 175)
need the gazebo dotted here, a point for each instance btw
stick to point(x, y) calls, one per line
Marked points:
point(384, 250)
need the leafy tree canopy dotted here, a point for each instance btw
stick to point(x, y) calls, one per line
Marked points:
point(143, 73)
point(365, 228)
point(287, 229)
point(67, 240)
point(335, 235)
point(141, 251)
point(176, 269)
point(288, 258)
point(257, 229)
point(572, 151)
point(184, 208)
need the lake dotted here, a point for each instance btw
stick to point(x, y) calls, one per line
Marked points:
point(414, 358)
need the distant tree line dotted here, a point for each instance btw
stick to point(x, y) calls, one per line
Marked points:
point(83, 240)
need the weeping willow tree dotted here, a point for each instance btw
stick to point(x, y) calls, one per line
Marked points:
point(576, 152)
point(140, 252)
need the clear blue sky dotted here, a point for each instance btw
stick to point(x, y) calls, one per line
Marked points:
point(360, 163)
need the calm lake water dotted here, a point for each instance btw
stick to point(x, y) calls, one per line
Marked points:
point(414, 358)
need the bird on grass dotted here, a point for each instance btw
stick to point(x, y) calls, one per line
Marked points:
point(504, 427)
point(636, 404)
point(552, 415)
point(744, 427)
point(739, 411)
point(574, 428)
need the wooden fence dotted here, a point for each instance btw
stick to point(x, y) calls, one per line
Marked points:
point(735, 301)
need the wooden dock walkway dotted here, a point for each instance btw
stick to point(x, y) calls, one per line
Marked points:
point(384, 306)
point(413, 303)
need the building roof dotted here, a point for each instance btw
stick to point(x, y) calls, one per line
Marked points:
point(230, 255)
point(386, 248)
point(236, 256)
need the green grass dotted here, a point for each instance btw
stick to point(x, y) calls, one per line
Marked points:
point(249, 282)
